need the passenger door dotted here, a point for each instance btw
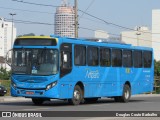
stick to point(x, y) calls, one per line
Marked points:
point(66, 59)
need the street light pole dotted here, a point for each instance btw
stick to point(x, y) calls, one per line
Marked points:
point(138, 33)
point(12, 14)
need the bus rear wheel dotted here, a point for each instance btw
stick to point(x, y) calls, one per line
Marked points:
point(77, 96)
point(125, 96)
point(37, 101)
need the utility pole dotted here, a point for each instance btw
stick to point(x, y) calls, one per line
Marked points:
point(76, 18)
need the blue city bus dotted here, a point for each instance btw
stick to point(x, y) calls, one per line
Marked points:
point(79, 70)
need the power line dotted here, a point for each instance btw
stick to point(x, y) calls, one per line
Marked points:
point(87, 8)
point(25, 10)
point(41, 23)
point(118, 35)
point(110, 23)
point(105, 21)
point(33, 22)
point(96, 21)
point(29, 22)
point(47, 13)
point(79, 10)
point(31, 3)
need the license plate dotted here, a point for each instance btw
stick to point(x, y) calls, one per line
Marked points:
point(29, 93)
point(5, 91)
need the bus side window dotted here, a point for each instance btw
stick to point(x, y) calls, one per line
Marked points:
point(116, 57)
point(147, 59)
point(66, 59)
point(79, 55)
point(92, 56)
point(127, 58)
point(105, 57)
point(137, 58)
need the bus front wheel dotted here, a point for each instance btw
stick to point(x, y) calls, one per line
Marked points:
point(77, 96)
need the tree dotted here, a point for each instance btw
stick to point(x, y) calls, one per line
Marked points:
point(4, 74)
point(156, 68)
point(30, 34)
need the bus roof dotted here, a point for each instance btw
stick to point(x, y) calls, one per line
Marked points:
point(47, 37)
point(108, 43)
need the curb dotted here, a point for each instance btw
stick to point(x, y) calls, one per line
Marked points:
point(13, 99)
point(146, 95)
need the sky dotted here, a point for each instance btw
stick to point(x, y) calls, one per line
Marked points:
point(127, 13)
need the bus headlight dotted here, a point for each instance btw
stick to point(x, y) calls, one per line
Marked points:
point(51, 85)
point(48, 87)
point(14, 85)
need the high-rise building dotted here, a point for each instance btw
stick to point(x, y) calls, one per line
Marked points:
point(5, 40)
point(140, 37)
point(65, 20)
point(156, 33)
point(6, 36)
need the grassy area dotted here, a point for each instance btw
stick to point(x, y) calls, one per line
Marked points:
point(6, 83)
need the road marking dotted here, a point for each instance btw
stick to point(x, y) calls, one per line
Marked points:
point(99, 105)
point(148, 102)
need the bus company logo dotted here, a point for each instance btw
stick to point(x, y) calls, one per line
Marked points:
point(6, 114)
point(128, 70)
point(92, 74)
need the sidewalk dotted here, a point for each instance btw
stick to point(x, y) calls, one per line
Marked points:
point(146, 95)
point(13, 99)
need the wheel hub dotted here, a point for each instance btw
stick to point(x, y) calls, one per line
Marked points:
point(76, 95)
point(126, 94)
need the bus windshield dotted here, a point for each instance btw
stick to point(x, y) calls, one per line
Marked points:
point(35, 61)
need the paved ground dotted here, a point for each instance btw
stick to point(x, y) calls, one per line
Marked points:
point(137, 103)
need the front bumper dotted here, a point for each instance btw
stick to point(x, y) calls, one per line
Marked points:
point(51, 93)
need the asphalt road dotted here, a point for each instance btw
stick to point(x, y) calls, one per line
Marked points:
point(137, 103)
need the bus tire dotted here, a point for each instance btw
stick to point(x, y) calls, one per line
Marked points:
point(91, 100)
point(37, 101)
point(77, 96)
point(126, 94)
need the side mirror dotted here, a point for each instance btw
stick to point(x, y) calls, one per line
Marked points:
point(8, 58)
